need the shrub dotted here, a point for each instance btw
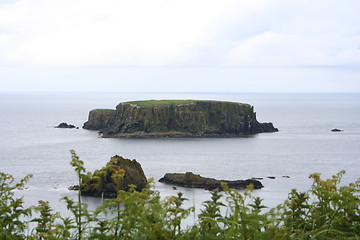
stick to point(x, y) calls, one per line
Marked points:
point(12, 212)
point(326, 211)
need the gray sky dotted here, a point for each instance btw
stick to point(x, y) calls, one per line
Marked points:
point(180, 45)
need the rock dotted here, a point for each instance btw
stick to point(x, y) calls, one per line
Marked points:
point(336, 130)
point(176, 118)
point(74, 188)
point(104, 181)
point(196, 181)
point(65, 125)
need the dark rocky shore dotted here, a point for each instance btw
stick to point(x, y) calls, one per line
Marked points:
point(196, 181)
point(176, 118)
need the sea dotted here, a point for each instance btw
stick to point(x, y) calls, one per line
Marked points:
point(305, 144)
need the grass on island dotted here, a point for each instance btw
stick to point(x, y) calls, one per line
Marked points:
point(105, 110)
point(153, 103)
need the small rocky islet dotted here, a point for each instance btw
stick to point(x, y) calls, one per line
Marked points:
point(176, 118)
point(118, 174)
point(190, 179)
point(65, 125)
point(337, 130)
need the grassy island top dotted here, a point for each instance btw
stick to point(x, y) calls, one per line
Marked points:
point(153, 103)
point(105, 110)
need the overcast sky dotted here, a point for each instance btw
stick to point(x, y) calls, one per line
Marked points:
point(180, 45)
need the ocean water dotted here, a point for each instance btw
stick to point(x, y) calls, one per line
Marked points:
point(29, 143)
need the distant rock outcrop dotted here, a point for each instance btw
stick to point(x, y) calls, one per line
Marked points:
point(176, 118)
point(336, 130)
point(65, 125)
point(118, 173)
point(193, 180)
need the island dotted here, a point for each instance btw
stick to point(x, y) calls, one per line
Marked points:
point(176, 118)
point(118, 174)
point(190, 179)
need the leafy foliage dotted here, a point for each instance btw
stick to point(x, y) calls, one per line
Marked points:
point(327, 211)
point(12, 212)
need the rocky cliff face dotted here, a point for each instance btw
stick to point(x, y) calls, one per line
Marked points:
point(98, 119)
point(177, 119)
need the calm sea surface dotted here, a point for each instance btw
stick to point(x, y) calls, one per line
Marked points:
point(29, 143)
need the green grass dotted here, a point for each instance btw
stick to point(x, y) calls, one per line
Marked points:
point(153, 103)
point(105, 110)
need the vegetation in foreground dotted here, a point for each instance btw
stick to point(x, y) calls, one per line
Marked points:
point(326, 211)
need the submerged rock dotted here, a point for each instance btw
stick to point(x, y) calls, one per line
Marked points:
point(189, 179)
point(176, 118)
point(118, 173)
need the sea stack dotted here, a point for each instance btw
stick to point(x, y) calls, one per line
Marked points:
point(176, 118)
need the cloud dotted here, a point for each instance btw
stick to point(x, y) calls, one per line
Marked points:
point(107, 32)
point(279, 49)
point(180, 33)
point(301, 33)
